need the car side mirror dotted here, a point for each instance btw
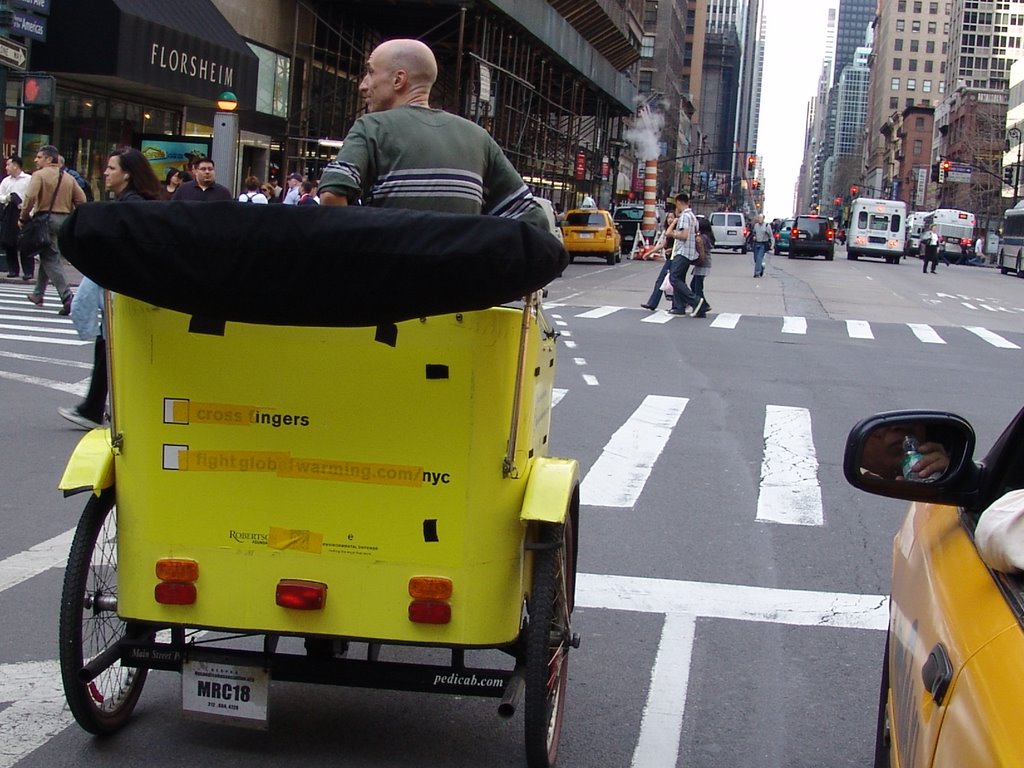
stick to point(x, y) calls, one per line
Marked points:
point(914, 455)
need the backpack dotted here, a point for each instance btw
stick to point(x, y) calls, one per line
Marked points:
point(86, 187)
point(249, 195)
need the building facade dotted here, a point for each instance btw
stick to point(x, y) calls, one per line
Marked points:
point(547, 79)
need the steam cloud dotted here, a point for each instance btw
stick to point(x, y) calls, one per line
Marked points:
point(646, 132)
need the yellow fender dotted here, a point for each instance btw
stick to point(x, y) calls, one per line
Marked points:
point(549, 491)
point(91, 466)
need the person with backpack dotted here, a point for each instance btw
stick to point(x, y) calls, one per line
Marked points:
point(79, 180)
point(252, 193)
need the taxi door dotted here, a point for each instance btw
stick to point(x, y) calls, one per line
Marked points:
point(956, 649)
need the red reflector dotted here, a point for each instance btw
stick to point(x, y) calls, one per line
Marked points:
point(429, 612)
point(301, 595)
point(175, 593)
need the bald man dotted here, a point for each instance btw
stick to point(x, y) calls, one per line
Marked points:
point(404, 154)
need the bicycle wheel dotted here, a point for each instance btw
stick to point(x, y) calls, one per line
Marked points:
point(89, 623)
point(548, 638)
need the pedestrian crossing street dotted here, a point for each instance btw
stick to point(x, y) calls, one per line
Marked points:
point(791, 325)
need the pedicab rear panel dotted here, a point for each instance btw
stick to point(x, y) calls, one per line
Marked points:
point(268, 453)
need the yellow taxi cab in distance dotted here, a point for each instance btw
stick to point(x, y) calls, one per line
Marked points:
point(591, 232)
point(952, 677)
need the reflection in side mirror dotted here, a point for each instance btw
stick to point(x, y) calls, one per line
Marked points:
point(909, 454)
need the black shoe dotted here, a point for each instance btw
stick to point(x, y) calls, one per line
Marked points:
point(933, 271)
point(677, 311)
point(65, 310)
point(27, 278)
point(12, 274)
point(647, 306)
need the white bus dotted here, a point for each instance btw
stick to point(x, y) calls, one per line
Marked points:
point(1011, 245)
point(915, 228)
point(877, 228)
point(956, 229)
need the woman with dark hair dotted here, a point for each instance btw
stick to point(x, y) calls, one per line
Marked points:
point(706, 239)
point(130, 178)
point(171, 182)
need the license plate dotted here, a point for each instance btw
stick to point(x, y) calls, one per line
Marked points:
point(802, 236)
point(586, 235)
point(730, 231)
point(225, 692)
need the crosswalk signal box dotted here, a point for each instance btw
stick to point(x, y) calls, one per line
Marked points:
point(37, 91)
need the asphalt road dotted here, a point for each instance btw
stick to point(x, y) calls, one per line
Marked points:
point(712, 636)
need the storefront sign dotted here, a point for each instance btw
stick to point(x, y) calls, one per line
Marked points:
point(581, 165)
point(39, 6)
point(27, 25)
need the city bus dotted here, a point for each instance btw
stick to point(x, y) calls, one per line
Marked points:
point(1011, 245)
point(955, 228)
point(877, 228)
point(915, 228)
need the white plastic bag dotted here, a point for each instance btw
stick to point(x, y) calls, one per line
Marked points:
point(666, 284)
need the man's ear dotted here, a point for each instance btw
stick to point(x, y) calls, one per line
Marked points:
point(401, 79)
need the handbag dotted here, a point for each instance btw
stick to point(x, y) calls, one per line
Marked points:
point(701, 250)
point(35, 233)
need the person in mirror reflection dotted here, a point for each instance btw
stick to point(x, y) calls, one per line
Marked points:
point(884, 452)
point(999, 534)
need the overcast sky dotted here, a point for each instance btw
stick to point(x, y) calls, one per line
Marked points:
point(794, 49)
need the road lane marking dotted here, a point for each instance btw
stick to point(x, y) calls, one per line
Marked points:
point(925, 333)
point(618, 476)
point(41, 359)
point(790, 493)
point(32, 708)
point(76, 342)
point(660, 317)
point(726, 320)
point(991, 337)
point(590, 380)
point(794, 325)
point(556, 395)
point(51, 553)
point(38, 381)
point(661, 724)
point(599, 312)
point(859, 329)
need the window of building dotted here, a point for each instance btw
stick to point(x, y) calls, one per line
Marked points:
point(915, 26)
point(917, 6)
point(898, 44)
point(919, 123)
point(918, 147)
point(650, 13)
point(273, 81)
point(647, 47)
point(901, 6)
point(646, 81)
point(894, 102)
point(932, 27)
point(897, 65)
point(929, 46)
point(911, 84)
point(926, 86)
point(894, 84)
point(929, 65)
point(912, 65)
point(915, 45)
point(901, 25)
point(933, 8)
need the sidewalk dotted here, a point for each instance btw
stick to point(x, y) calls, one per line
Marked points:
point(73, 275)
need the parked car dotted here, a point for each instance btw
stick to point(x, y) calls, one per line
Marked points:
point(812, 235)
point(782, 237)
point(591, 232)
point(730, 228)
point(952, 673)
point(628, 219)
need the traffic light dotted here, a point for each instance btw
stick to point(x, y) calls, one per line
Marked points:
point(751, 162)
point(944, 167)
point(837, 200)
point(935, 171)
point(1008, 175)
point(854, 191)
point(37, 91)
point(755, 184)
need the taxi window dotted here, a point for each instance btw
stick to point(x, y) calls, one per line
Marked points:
point(583, 219)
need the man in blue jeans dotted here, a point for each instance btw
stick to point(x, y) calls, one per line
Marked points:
point(684, 253)
point(761, 234)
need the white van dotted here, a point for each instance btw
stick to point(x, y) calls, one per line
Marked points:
point(730, 228)
point(877, 228)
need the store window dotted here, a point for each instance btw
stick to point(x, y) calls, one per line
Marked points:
point(273, 81)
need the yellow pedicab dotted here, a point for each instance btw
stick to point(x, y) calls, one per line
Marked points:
point(356, 453)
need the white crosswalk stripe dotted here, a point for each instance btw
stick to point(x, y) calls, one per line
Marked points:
point(795, 324)
point(23, 321)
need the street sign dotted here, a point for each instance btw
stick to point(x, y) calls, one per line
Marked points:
point(39, 6)
point(12, 54)
point(959, 173)
point(27, 25)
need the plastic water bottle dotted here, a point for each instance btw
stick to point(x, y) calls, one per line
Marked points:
point(911, 455)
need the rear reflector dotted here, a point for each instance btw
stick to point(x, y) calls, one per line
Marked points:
point(175, 593)
point(430, 588)
point(301, 595)
point(177, 569)
point(429, 612)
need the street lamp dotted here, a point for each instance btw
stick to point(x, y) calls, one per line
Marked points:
point(224, 149)
point(1015, 131)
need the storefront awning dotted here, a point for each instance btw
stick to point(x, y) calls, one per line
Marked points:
point(184, 48)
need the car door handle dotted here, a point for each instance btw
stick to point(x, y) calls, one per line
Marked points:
point(937, 673)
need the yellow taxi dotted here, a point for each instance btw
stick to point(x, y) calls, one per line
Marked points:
point(591, 232)
point(952, 678)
